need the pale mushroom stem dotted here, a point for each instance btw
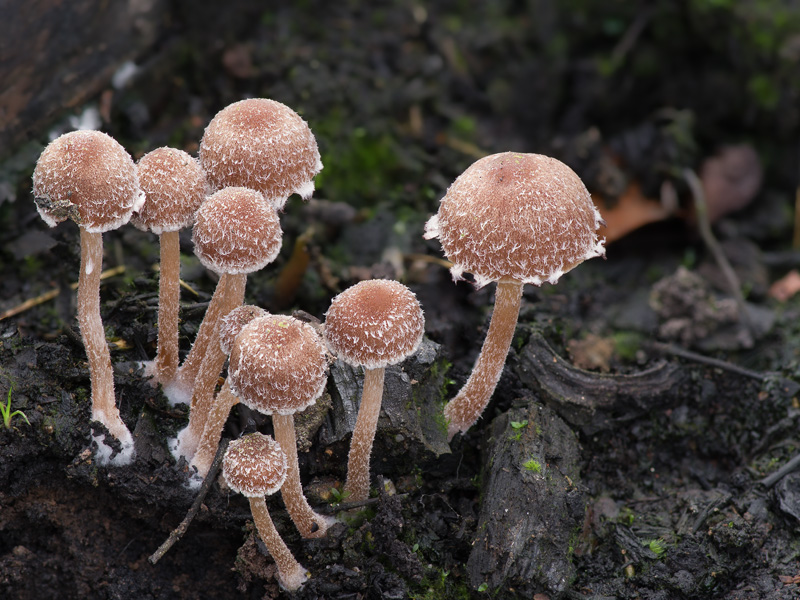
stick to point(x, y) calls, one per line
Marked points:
point(357, 485)
point(104, 405)
point(228, 294)
point(168, 305)
point(212, 432)
point(464, 410)
point(291, 574)
point(309, 523)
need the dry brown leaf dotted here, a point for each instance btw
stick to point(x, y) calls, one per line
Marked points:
point(631, 211)
point(786, 287)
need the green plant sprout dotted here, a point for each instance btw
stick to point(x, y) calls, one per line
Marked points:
point(518, 426)
point(656, 546)
point(338, 497)
point(532, 465)
point(7, 414)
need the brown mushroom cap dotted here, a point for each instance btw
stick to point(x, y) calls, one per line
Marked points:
point(175, 187)
point(526, 217)
point(254, 465)
point(374, 323)
point(278, 365)
point(264, 145)
point(232, 324)
point(236, 232)
point(89, 177)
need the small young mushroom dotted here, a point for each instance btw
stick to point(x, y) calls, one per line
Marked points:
point(229, 327)
point(174, 186)
point(235, 233)
point(255, 466)
point(88, 176)
point(278, 367)
point(514, 219)
point(264, 145)
point(372, 324)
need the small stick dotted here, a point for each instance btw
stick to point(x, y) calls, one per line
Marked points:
point(773, 478)
point(332, 509)
point(30, 303)
point(178, 532)
point(707, 360)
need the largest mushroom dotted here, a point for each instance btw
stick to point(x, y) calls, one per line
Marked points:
point(87, 176)
point(515, 219)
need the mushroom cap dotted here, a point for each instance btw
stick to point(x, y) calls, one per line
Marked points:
point(232, 324)
point(374, 323)
point(175, 187)
point(278, 365)
point(254, 465)
point(236, 232)
point(89, 177)
point(264, 145)
point(526, 217)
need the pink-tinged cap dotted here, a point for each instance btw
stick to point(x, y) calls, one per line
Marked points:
point(232, 324)
point(254, 465)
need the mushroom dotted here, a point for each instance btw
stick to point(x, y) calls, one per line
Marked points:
point(255, 466)
point(264, 145)
point(514, 219)
point(88, 177)
point(174, 186)
point(278, 366)
point(229, 327)
point(235, 233)
point(372, 324)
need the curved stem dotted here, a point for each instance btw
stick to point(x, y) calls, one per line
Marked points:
point(212, 432)
point(168, 305)
point(309, 523)
point(357, 485)
point(291, 574)
point(104, 405)
point(463, 410)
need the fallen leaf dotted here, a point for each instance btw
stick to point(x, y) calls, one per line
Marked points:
point(631, 211)
point(786, 287)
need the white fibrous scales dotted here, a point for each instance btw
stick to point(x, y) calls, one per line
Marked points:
point(278, 365)
point(236, 232)
point(374, 323)
point(254, 465)
point(86, 176)
point(264, 145)
point(526, 217)
point(232, 324)
point(174, 186)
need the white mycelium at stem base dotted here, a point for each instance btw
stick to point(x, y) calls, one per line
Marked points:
point(515, 219)
point(255, 466)
point(263, 145)
point(278, 367)
point(174, 186)
point(88, 177)
point(373, 324)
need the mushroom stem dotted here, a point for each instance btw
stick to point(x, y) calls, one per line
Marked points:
point(291, 574)
point(464, 410)
point(357, 485)
point(168, 304)
point(228, 295)
point(212, 432)
point(104, 405)
point(309, 523)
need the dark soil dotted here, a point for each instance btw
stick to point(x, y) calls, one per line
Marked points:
point(614, 461)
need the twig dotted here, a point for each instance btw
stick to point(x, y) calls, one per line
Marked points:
point(178, 532)
point(773, 478)
point(707, 360)
point(332, 509)
point(711, 242)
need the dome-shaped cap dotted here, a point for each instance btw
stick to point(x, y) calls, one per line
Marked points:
point(526, 217)
point(254, 465)
point(374, 323)
point(264, 145)
point(235, 231)
point(232, 324)
point(174, 186)
point(278, 365)
point(86, 176)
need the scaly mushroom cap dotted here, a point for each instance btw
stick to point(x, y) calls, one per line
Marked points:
point(175, 187)
point(264, 145)
point(232, 324)
point(526, 217)
point(374, 324)
point(86, 176)
point(254, 465)
point(236, 231)
point(278, 365)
